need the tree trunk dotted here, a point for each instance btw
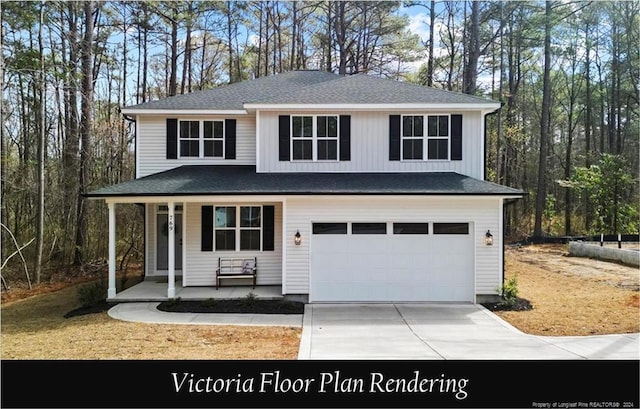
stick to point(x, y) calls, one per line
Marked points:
point(541, 194)
point(71, 143)
point(473, 51)
point(85, 130)
point(41, 150)
point(432, 21)
point(587, 122)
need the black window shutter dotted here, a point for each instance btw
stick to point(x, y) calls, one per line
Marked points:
point(172, 138)
point(394, 137)
point(456, 137)
point(268, 230)
point(284, 137)
point(207, 229)
point(345, 137)
point(230, 139)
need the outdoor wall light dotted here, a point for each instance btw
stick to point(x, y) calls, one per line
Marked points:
point(297, 238)
point(488, 238)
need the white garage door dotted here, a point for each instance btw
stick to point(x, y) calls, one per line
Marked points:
point(392, 262)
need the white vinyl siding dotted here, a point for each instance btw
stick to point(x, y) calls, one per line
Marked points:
point(482, 213)
point(370, 146)
point(152, 144)
point(201, 265)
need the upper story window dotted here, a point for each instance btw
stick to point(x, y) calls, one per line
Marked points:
point(314, 137)
point(201, 139)
point(416, 146)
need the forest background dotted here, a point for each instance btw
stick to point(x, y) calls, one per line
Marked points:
point(566, 72)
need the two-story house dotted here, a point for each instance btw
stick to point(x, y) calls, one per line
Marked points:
point(344, 188)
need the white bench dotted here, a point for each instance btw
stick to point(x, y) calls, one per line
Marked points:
point(236, 268)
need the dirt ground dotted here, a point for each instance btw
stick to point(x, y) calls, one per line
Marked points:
point(570, 296)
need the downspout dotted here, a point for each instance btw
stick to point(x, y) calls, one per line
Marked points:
point(484, 177)
point(484, 142)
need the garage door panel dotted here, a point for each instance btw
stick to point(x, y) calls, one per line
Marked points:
point(392, 267)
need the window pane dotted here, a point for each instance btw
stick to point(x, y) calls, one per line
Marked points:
point(323, 150)
point(450, 228)
point(184, 129)
point(322, 126)
point(194, 128)
point(307, 123)
point(217, 148)
point(438, 149)
point(333, 150)
point(332, 126)
point(302, 150)
point(225, 239)
point(208, 129)
point(369, 228)
point(410, 228)
point(443, 125)
point(329, 228)
point(250, 216)
point(189, 148)
point(213, 148)
point(433, 126)
point(297, 126)
point(218, 129)
point(208, 148)
point(407, 126)
point(418, 126)
point(225, 216)
point(327, 150)
point(249, 239)
point(412, 149)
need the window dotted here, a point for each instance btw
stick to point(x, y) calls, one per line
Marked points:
point(190, 139)
point(238, 227)
point(410, 228)
point(327, 137)
point(225, 228)
point(437, 137)
point(368, 228)
point(201, 139)
point(412, 137)
point(450, 228)
point(329, 228)
point(250, 217)
point(314, 137)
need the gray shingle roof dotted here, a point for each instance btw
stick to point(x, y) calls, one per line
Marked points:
point(311, 87)
point(243, 180)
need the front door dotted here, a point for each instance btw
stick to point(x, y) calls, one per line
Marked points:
point(163, 241)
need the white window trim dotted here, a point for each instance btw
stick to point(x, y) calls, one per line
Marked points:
point(425, 138)
point(201, 139)
point(238, 228)
point(314, 138)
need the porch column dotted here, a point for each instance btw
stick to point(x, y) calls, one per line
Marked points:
point(171, 290)
point(111, 292)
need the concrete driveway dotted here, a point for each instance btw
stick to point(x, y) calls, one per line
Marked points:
point(440, 331)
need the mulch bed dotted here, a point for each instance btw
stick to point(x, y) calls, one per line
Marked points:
point(243, 306)
point(234, 306)
point(520, 304)
point(92, 309)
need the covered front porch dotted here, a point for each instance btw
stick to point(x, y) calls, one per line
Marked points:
point(155, 290)
point(189, 270)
